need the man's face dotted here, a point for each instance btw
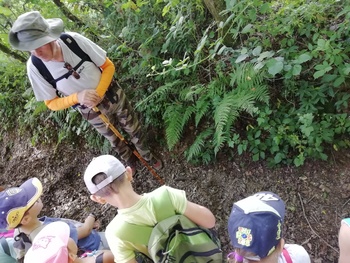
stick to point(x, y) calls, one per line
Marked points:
point(44, 52)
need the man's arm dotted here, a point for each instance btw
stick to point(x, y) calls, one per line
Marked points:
point(200, 215)
point(344, 243)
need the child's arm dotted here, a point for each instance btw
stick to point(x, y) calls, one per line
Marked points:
point(200, 215)
point(86, 228)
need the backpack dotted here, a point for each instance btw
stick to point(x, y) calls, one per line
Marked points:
point(174, 238)
point(73, 45)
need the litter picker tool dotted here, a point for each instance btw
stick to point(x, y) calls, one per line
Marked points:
point(121, 137)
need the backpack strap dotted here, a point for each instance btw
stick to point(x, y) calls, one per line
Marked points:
point(140, 234)
point(37, 62)
point(73, 45)
point(162, 203)
point(5, 246)
point(287, 256)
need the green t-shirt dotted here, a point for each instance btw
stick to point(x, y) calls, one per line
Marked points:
point(142, 213)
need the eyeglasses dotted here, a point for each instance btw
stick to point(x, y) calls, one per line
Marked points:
point(71, 70)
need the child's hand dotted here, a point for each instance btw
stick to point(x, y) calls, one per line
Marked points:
point(97, 225)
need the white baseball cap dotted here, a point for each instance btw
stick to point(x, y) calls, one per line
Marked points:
point(107, 164)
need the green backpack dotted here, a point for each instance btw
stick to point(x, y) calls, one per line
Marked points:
point(174, 238)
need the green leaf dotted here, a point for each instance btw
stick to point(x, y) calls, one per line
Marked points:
point(318, 74)
point(257, 51)
point(339, 81)
point(274, 66)
point(241, 58)
point(303, 58)
point(296, 70)
point(278, 158)
point(246, 29)
point(259, 65)
point(346, 70)
point(266, 54)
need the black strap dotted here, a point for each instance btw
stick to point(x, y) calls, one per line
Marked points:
point(5, 246)
point(73, 45)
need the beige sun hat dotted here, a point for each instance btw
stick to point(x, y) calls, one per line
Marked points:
point(31, 31)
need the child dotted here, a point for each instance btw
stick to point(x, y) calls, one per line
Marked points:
point(53, 245)
point(255, 230)
point(110, 182)
point(7, 253)
point(344, 241)
point(19, 209)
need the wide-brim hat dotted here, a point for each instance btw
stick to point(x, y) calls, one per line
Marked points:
point(15, 201)
point(31, 31)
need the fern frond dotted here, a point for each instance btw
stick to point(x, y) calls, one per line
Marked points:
point(176, 116)
point(187, 114)
point(173, 122)
point(162, 91)
point(196, 148)
point(202, 106)
point(192, 93)
point(219, 141)
point(245, 74)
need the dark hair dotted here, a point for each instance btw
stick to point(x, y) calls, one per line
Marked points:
point(113, 187)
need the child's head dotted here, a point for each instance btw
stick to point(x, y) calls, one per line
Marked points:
point(104, 175)
point(16, 202)
point(255, 225)
point(52, 245)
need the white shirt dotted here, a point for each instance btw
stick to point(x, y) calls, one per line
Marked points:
point(297, 253)
point(89, 72)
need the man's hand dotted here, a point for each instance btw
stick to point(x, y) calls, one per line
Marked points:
point(89, 98)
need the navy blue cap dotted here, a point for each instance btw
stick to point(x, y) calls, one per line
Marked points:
point(255, 223)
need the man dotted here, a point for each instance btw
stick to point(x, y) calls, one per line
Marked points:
point(255, 230)
point(84, 87)
point(109, 181)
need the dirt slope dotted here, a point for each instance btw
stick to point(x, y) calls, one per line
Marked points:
point(317, 195)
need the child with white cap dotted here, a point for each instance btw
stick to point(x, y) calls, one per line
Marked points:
point(255, 230)
point(109, 181)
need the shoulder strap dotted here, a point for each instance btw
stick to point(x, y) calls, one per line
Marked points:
point(37, 62)
point(163, 206)
point(140, 234)
point(5, 246)
point(73, 45)
point(287, 256)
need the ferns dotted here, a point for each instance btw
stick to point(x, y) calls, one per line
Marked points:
point(198, 146)
point(220, 103)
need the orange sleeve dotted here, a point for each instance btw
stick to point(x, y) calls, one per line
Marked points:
point(62, 103)
point(108, 70)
